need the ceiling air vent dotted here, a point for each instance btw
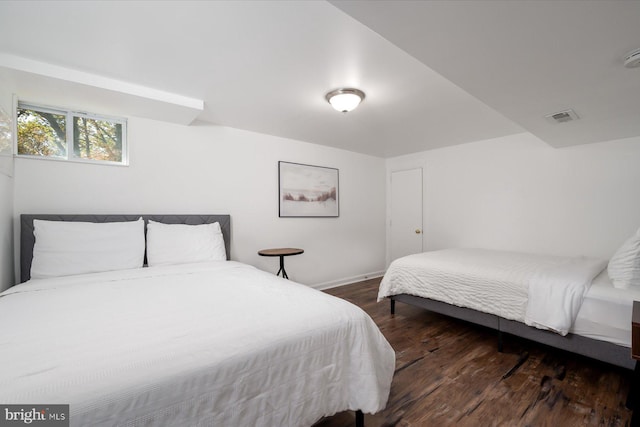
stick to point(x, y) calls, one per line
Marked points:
point(562, 116)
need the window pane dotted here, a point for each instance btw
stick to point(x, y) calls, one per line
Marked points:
point(97, 139)
point(6, 130)
point(41, 133)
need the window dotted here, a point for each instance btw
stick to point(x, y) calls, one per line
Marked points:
point(59, 134)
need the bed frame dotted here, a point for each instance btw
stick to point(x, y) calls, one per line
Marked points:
point(27, 239)
point(596, 349)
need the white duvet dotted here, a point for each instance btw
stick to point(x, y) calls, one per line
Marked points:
point(212, 344)
point(541, 291)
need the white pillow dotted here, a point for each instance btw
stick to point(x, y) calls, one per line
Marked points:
point(182, 243)
point(624, 266)
point(65, 248)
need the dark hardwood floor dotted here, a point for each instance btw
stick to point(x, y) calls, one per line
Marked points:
point(449, 372)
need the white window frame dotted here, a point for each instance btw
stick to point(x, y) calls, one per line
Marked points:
point(70, 114)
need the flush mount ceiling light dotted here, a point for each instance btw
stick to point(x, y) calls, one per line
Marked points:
point(345, 100)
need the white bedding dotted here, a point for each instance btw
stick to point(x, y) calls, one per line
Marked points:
point(606, 312)
point(541, 291)
point(218, 343)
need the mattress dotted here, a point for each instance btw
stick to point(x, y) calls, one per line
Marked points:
point(218, 343)
point(606, 312)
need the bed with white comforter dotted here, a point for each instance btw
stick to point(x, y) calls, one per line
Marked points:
point(217, 343)
point(575, 304)
point(542, 291)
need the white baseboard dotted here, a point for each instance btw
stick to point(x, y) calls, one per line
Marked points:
point(347, 280)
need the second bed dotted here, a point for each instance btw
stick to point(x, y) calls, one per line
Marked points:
point(568, 303)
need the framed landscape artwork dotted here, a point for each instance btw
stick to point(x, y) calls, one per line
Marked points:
point(307, 191)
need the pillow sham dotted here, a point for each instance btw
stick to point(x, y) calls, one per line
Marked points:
point(624, 265)
point(182, 243)
point(65, 248)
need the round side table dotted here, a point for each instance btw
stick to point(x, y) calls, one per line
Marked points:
point(281, 252)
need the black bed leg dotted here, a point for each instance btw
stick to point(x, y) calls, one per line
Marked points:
point(360, 418)
point(499, 341)
point(393, 306)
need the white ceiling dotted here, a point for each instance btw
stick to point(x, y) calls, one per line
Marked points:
point(527, 58)
point(435, 73)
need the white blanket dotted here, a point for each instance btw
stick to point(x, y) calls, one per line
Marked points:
point(217, 343)
point(541, 291)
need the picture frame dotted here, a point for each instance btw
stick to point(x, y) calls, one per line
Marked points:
point(308, 191)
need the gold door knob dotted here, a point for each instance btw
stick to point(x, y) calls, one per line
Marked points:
point(418, 231)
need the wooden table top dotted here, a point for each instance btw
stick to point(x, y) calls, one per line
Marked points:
point(280, 251)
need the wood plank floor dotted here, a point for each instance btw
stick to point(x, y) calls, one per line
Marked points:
point(449, 372)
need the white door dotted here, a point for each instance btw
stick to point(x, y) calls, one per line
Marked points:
point(406, 213)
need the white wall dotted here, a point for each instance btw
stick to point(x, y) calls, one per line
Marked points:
point(6, 202)
point(6, 232)
point(518, 193)
point(213, 169)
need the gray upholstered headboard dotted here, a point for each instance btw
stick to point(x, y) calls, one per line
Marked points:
point(27, 239)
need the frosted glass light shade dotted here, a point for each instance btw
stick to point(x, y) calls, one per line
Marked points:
point(345, 100)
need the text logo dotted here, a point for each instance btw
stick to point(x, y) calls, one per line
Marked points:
point(34, 415)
